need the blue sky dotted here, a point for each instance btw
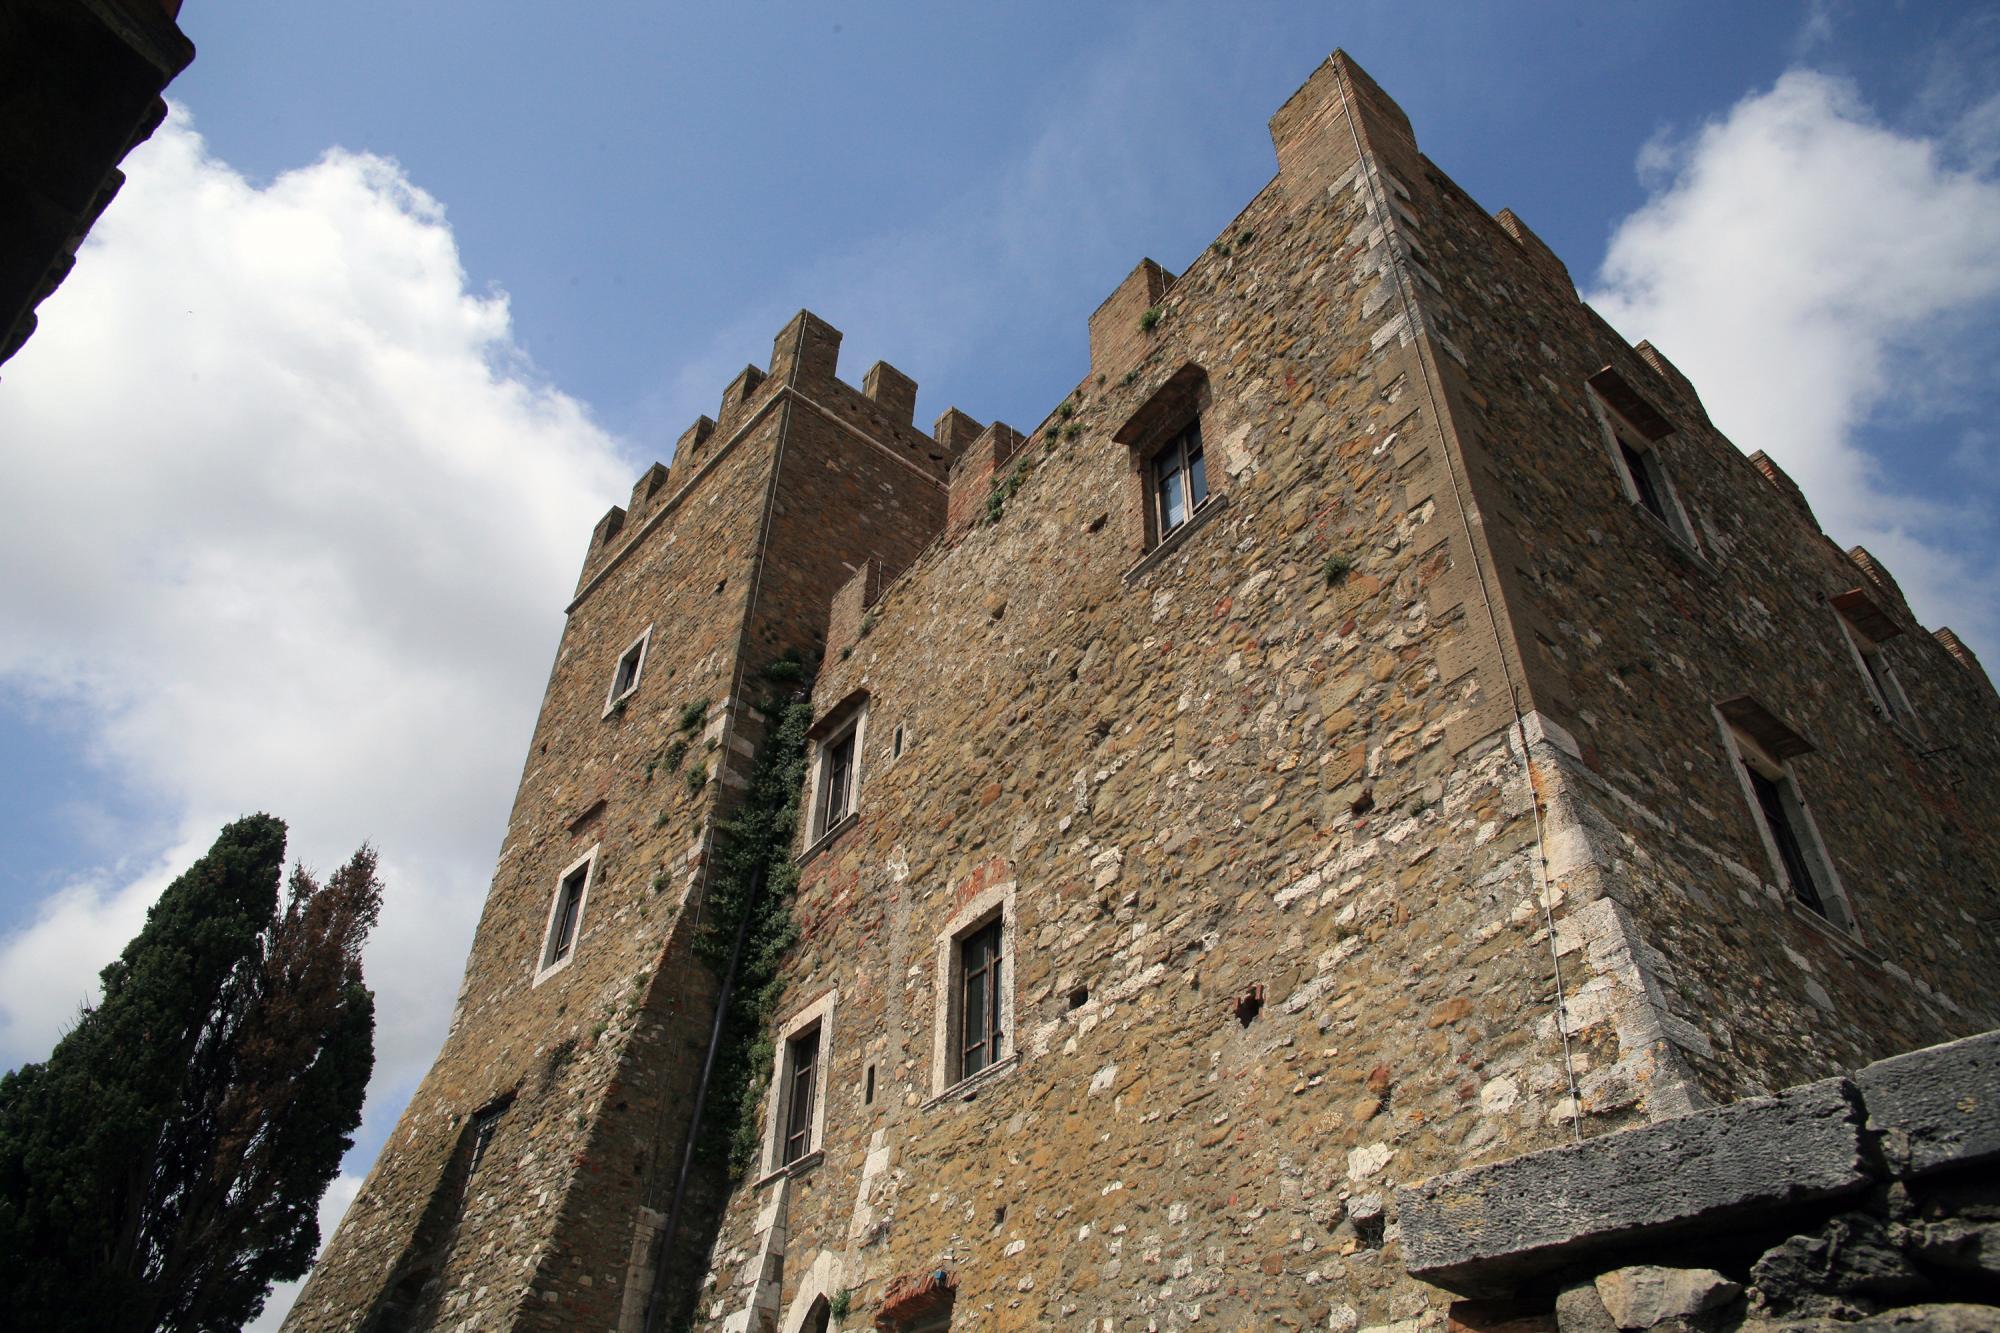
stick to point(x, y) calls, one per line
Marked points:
point(299, 467)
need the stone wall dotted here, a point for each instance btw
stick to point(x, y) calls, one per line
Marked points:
point(1266, 858)
point(1630, 637)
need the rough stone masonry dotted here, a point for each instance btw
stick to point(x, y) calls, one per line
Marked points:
point(1373, 727)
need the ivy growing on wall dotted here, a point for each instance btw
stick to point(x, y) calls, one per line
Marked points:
point(751, 888)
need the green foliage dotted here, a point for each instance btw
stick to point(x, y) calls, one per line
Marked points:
point(1151, 319)
point(1221, 248)
point(674, 755)
point(1336, 568)
point(1244, 238)
point(696, 778)
point(694, 715)
point(867, 623)
point(1074, 429)
point(1131, 378)
point(1004, 489)
point(164, 1166)
point(1066, 409)
point(751, 885)
point(840, 1302)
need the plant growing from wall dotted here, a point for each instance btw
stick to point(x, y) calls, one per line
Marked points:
point(1150, 320)
point(674, 755)
point(1336, 567)
point(750, 892)
point(840, 1303)
point(694, 715)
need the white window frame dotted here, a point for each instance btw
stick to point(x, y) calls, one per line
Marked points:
point(1616, 429)
point(853, 723)
point(776, 1115)
point(1885, 691)
point(996, 902)
point(1745, 753)
point(544, 966)
point(613, 696)
point(1156, 497)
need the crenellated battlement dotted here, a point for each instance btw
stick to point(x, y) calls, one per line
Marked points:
point(804, 363)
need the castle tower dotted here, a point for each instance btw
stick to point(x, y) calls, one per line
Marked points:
point(583, 1019)
point(1375, 725)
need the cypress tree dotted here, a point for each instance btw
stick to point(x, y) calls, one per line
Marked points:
point(163, 1167)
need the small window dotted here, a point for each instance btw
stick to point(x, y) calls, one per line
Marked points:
point(1866, 627)
point(565, 922)
point(836, 779)
point(979, 1031)
point(1179, 480)
point(801, 1078)
point(1633, 430)
point(795, 1114)
point(1762, 747)
point(625, 676)
point(1169, 475)
point(974, 995)
point(484, 1125)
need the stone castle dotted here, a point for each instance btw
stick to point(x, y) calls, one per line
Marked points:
point(1373, 729)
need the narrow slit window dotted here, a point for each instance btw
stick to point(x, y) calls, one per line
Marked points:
point(484, 1125)
point(1641, 467)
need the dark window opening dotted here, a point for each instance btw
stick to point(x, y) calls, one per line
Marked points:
point(868, 1093)
point(627, 677)
point(1639, 464)
point(483, 1126)
point(979, 1000)
point(802, 1065)
point(569, 910)
point(1878, 675)
point(836, 781)
point(1180, 480)
point(1791, 852)
point(819, 1319)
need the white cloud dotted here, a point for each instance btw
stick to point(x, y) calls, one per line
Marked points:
point(1816, 273)
point(289, 525)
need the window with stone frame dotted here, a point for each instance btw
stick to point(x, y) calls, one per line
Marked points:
point(625, 676)
point(975, 990)
point(1866, 627)
point(836, 768)
point(1171, 456)
point(800, 1090)
point(1761, 748)
point(795, 1117)
point(565, 919)
point(1633, 429)
point(977, 1035)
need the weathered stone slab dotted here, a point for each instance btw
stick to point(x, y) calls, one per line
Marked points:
point(1936, 1107)
point(1473, 1230)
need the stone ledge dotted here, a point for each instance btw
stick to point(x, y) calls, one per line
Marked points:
point(1482, 1231)
point(1936, 1107)
point(1483, 1228)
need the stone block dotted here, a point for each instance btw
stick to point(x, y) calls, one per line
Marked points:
point(1643, 1296)
point(1938, 1107)
point(1472, 1230)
